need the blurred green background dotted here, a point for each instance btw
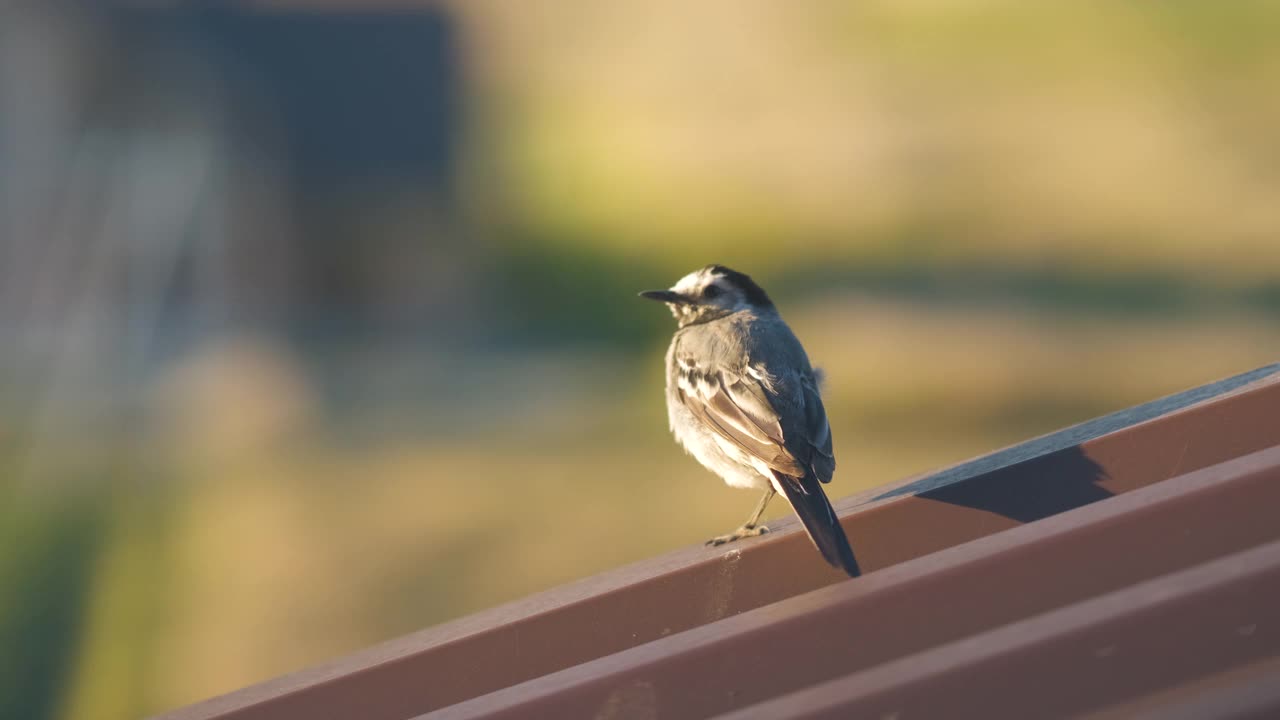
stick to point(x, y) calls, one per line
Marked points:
point(319, 319)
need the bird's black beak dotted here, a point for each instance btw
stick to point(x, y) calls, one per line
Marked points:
point(665, 296)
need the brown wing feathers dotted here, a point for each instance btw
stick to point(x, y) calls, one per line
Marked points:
point(758, 432)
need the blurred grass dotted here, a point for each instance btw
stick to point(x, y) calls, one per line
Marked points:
point(47, 550)
point(1089, 135)
point(128, 605)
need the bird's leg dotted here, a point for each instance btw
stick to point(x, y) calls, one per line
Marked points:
point(751, 527)
point(752, 522)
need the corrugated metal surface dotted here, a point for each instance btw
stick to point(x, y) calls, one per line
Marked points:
point(999, 587)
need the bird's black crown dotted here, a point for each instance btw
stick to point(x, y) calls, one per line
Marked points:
point(750, 290)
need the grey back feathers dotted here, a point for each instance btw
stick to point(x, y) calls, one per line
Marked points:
point(749, 380)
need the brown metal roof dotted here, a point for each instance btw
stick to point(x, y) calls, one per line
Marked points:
point(998, 587)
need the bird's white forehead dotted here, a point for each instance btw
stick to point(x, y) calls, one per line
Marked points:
point(693, 281)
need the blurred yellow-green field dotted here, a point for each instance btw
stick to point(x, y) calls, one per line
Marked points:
point(320, 319)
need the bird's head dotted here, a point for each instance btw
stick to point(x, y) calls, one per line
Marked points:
point(709, 293)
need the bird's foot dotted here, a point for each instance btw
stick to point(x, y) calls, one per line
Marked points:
point(742, 532)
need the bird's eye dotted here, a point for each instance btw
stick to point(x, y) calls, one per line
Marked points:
point(711, 291)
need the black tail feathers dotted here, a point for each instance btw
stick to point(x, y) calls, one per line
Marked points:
point(819, 518)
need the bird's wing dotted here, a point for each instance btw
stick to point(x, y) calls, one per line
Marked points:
point(735, 406)
point(817, 433)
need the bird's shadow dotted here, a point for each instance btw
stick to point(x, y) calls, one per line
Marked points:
point(1033, 489)
point(1052, 474)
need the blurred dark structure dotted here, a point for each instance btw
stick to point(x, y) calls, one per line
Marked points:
point(368, 105)
point(183, 169)
point(1168, 591)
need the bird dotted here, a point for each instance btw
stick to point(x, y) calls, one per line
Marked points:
point(743, 400)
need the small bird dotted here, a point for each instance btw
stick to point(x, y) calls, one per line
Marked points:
point(743, 400)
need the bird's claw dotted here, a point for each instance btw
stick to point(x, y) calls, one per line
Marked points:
point(738, 534)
